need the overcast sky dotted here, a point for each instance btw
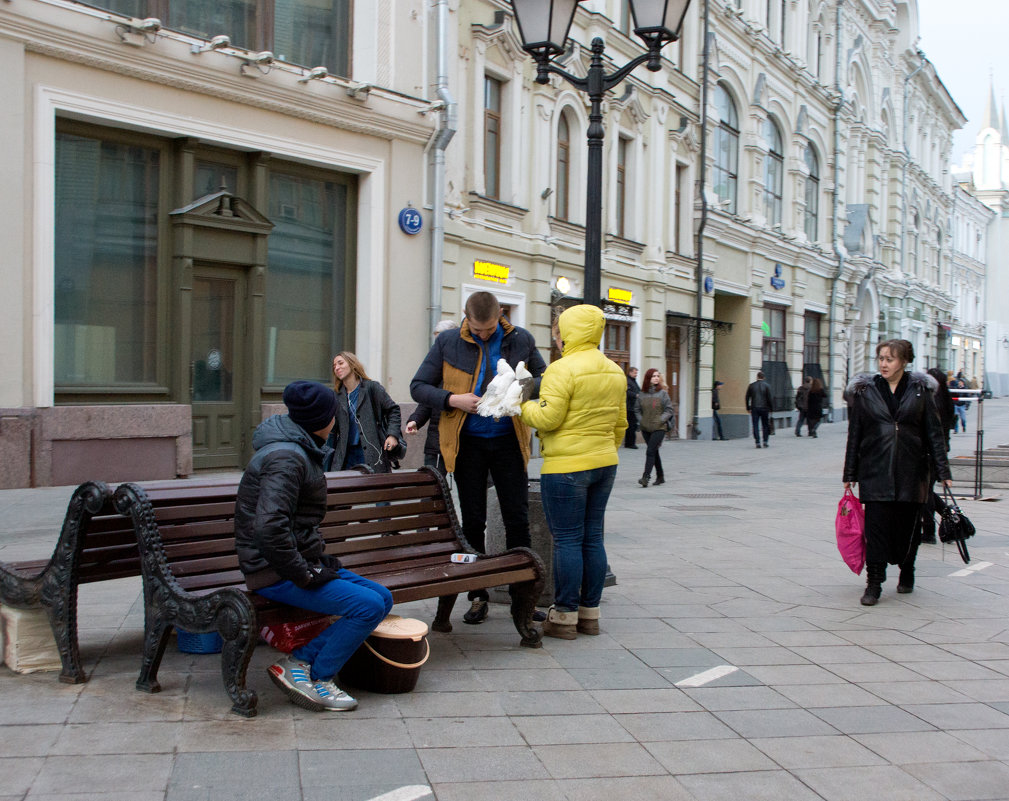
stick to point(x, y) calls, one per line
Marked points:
point(968, 42)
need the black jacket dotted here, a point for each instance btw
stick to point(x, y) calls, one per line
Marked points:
point(814, 404)
point(758, 395)
point(281, 501)
point(378, 417)
point(633, 390)
point(889, 455)
point(425, 414)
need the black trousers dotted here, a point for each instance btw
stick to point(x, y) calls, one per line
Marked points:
point(652, 459)
point(761, 418)
point(892, 532)
point(631, 435)
point(501, 459)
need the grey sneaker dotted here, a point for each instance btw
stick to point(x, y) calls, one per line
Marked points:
point(477, 612)
point(294, 678)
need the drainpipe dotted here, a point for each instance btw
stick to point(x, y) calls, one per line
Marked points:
point(446, 130)
point(702, 181)
point(836, 211)
point(903, 171)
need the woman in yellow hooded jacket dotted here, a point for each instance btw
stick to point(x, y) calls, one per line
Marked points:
point(580, 418)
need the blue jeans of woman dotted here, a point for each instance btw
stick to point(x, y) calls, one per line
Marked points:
point(363, 604)
point(960, 417)
point(574, 505)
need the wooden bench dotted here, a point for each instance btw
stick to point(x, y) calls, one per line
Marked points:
point(96, 543)
point(398, 529)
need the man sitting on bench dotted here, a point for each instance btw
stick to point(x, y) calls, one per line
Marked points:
point(281, 501)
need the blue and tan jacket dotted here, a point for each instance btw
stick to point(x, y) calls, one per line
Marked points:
point(452, 367)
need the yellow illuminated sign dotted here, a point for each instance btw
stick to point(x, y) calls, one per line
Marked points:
point(620, 295)
point(489, 271)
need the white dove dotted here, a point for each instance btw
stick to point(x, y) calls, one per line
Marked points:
point(510, 403)
point(488, 405)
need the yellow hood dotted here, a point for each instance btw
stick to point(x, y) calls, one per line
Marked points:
point(581, 327)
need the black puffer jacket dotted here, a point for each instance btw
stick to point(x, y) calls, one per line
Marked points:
point(281, 501)
point(889, 455)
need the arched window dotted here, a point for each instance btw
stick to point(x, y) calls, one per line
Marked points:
point(563, 166)
point(774, 173)
point(812, 215)
point(726, 172)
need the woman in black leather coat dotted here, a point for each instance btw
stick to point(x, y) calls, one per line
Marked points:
point(894, 438)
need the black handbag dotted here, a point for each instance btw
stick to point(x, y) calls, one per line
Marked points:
point(954, 526)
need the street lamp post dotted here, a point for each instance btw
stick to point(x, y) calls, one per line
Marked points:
point(543, 27)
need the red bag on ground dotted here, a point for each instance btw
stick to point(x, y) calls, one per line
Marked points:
point(288, 636)
point(849, 525)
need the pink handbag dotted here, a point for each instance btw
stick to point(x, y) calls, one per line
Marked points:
point(849, 525)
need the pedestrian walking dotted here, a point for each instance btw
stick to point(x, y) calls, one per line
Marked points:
point(894, 434)
point(425, 415)
point(716, 405)
point(801, 396)
point(453, 377)
point(935, 504)
point(580, 419)
point(814, 406)
point(655, 411)
point(633, 390)
point(280, 503)
point(758, 404)
point(960, 406)
point(368, 422)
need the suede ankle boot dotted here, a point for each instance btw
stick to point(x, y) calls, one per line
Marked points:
point(643, 481)
point(875, 576)
point(561, 625)
point(588, 620)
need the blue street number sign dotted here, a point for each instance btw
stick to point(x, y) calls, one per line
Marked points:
point(709, 283)
point(410, 221)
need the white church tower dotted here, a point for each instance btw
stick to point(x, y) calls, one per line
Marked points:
point(986, 176)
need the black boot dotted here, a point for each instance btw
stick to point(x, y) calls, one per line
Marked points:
point(905, 583)
point(660, 478)
point(643, 481)
point(875, 576)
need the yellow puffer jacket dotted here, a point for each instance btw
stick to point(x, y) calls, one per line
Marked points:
point(581, 414)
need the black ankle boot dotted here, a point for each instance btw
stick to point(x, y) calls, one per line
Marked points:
point(905, 583)
point(643, 481)
point(875, 576)
point(659, 479)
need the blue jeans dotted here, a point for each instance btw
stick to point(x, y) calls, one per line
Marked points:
point(362, 603)
point(761, 419)
point(574, 505)
point(961, 416)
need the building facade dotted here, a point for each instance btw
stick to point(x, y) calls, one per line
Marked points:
point(201, 207)
point(826, 194)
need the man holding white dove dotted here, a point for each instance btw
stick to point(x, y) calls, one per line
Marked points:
point(456, 374)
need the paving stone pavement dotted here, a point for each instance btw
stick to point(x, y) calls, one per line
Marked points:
point(735, 663)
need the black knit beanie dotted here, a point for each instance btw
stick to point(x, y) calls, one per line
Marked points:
point(310, 404)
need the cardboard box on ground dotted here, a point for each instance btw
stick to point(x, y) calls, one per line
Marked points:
point(27, 640)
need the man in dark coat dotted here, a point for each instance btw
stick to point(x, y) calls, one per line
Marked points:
point(758, 404)
point(281, 501)
point(453, 377)
point(633, 390)
point(716, 405)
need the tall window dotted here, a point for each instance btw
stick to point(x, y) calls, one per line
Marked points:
point(812, 214)
point(563, 166)
point(725, 174)
point(492, 136)
point(811, 338)
point(621, 186)
point(774, 334)
point(937, 267)
point(774, 173)
point(681, 194)
point(307, 32)
point(310, 289)
point(106, 261)
point(915, 242)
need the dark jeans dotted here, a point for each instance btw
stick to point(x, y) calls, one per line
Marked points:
point(800, 419)
point(761, 417)
point(574, 505)
point(501, 458)
point(436, 461)
point(631, 435)
point(652, 459)
point(362, 605)
point(718, 425)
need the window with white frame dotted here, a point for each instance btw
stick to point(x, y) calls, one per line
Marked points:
point(774, 173)
point(623, 146)
point(812, 212)
point(915, 242)
point(493, 89)
point(725, 175)
point(563, 199)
